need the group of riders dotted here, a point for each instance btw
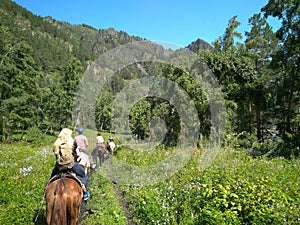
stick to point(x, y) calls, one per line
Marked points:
point(66, 150)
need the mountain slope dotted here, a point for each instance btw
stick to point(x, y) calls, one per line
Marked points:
point(199, 44)
point(54, 42)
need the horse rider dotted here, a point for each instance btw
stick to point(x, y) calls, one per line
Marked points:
point(99, 139)
point(81, 142)
point(111, 144)
point(64, 150)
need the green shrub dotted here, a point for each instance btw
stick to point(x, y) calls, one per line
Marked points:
point(236, 189)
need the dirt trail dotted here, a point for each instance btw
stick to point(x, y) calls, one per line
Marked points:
point(84, 211)
point(124, 204)
point(120, 197)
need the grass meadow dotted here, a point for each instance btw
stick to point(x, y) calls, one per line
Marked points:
point(234, 189)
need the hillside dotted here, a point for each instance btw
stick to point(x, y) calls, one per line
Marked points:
point(54, 42)
point(42, 61)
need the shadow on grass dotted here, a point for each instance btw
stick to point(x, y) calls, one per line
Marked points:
point(39, 217)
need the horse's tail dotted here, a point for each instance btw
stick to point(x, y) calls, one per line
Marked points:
point(59, 212)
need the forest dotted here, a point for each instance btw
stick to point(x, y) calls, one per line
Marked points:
point(42, 62)
point(253, 180)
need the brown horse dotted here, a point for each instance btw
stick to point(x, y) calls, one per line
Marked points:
point(63, 197)
point(99, 152)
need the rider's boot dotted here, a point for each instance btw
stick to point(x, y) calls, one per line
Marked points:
point(86, 195)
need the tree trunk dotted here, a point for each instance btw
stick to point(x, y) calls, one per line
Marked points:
point(250, 117)
point(289, 111)
point(258, 123)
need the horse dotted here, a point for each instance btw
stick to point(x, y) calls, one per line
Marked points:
point(99, 153)
point(111, 146)
point(63, 199)
point(83, 159)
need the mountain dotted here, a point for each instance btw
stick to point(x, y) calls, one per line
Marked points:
point(54, 42)
point(199, 44)
point(42, 61)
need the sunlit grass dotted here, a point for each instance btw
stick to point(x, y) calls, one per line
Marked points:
point(104, 203)
point(24, 172)
point(234, 189)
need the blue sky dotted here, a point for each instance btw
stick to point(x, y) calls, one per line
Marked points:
point(175, 22)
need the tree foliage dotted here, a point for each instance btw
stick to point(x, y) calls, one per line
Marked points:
point(285, 64)
point(42, 62)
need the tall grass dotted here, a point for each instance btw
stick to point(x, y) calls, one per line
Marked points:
point(24, 171)
point(234, 189)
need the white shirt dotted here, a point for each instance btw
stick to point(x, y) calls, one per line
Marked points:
point(99, 139)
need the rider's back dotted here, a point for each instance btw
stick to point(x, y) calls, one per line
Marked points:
point(81, 141)
point(63, 149)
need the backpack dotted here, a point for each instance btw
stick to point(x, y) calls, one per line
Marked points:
point(63, 149)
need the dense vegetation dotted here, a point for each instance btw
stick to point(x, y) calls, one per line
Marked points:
point(254, 179)
point(42, 62)
point(259, 79)
point(235, 189)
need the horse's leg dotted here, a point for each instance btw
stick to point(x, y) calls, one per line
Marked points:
point(94, 156)
point(96, 159)
point(100, 158)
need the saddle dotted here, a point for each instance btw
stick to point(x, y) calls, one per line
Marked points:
point(67, 174)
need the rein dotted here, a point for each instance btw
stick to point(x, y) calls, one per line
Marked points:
point(63, 175)
point(40, 208)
